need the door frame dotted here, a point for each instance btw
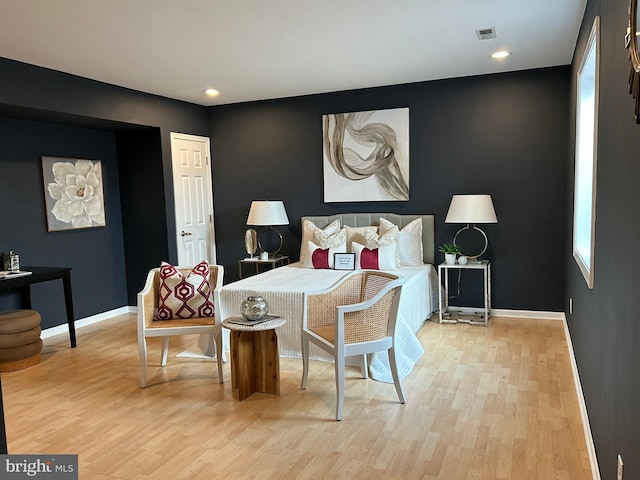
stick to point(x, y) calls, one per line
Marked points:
point(209, 200)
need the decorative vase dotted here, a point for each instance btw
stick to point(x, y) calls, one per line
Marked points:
point(462, 260)
point(250, 242)
point(450, 258)
point(254, 308)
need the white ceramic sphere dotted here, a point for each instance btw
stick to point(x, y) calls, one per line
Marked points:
point(462, 260)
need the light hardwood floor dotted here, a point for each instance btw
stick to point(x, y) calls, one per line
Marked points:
point(482, 403)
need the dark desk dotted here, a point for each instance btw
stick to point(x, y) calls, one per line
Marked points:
point(44, 274)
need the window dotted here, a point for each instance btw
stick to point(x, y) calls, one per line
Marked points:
point(586, 153)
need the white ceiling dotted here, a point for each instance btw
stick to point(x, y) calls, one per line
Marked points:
point(259, 49)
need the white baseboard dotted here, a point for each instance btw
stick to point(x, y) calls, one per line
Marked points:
point(83, 322)
point(502, 312)
point(540, 315)
point(591, 449)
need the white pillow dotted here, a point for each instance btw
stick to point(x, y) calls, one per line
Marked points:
point(384, 255)
point(309, 231)
point(409, 241)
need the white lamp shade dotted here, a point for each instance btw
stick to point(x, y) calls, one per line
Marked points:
point(267, 213)
point(471, 209)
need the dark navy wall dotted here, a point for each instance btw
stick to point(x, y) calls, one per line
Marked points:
point(96, 255)
point(500, 134)
point(138, 154)
point(140, 125)
point(506, 135)
point(604, 324)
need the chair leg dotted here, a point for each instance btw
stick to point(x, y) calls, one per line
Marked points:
point(339, 366)
point(218, 340)
point(165, 351)
point(394, 373)
point(305, 363)
point(364, 366)
point(142, 350)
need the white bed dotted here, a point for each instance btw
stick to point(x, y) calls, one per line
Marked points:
point(283, 288)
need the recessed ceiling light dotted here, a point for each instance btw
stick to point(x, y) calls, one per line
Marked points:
point(500, 54)
point(212, 92)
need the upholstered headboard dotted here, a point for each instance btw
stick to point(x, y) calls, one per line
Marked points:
point(366, 219)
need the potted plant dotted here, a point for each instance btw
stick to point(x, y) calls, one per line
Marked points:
point(450, 251)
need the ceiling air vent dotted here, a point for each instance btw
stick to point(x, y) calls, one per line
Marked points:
point(486, 33)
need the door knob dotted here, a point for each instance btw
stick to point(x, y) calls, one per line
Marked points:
point(185, 234)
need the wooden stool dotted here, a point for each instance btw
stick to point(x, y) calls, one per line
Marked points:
point(20, 343)
point(255, 362)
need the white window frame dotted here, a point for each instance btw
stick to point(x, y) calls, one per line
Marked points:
point(584, 204)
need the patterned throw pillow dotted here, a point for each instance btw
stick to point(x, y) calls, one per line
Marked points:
point(310, 232)
point(387, 239)
point(180, 297)
point(334, 240)
point(360, 235)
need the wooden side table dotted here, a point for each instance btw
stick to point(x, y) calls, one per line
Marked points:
point(255, 360)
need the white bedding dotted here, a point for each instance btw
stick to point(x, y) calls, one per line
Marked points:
point(283, 289)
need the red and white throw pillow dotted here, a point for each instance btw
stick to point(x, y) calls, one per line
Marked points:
point(181, 297)
point(382, 257)
point(320, 258)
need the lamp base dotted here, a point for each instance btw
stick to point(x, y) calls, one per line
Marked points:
point(270, 241)
point(472, 258)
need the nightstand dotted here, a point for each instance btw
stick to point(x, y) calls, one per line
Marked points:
point(447, 313)
point(262, 265)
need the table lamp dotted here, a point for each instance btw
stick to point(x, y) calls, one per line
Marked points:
point(265, 213)
point(471, 209)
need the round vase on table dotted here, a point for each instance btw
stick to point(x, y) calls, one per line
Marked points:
point(254, 308)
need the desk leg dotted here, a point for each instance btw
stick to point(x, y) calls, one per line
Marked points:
point(68, 302)
point(3, 431)
point(25, 297)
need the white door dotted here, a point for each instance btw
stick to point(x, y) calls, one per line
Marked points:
point(193, 198)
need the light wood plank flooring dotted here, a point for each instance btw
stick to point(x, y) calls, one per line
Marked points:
point(482, 403)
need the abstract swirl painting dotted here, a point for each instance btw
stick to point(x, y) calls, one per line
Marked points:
point(366, 156)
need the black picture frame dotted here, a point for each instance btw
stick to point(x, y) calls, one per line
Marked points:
point(344, 261)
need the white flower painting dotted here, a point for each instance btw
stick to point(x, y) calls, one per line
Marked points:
point(74, 195)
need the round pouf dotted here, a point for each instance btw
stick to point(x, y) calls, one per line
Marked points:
point(20, 343)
